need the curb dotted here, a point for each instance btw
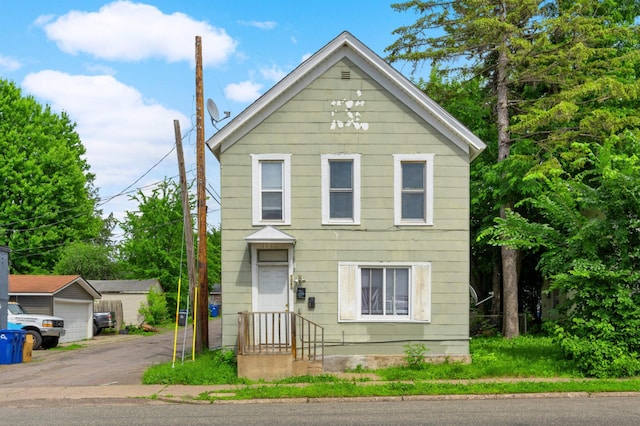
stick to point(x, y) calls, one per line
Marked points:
point(554, 395)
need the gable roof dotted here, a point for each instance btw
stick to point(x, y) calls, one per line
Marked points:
point(346, 46)
point(47, 285)
point(269, 234)
point(125, 286)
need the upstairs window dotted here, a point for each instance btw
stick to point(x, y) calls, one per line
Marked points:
point(413, 189)
point(341, 189)
point(271, 177)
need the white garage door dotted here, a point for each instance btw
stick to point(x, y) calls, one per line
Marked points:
point(77, 317)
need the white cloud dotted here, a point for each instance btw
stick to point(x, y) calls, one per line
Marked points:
point(246, 91)
point(305, 57)
point(127, 31)
point(9, 64)
point(262, 25)
point(273, 73)
point(99, 69)
point(123, 133)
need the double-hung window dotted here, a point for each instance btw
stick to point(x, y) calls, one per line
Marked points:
point(271, 188)
point(384, 291)
point(413, 189)
point(341, 189)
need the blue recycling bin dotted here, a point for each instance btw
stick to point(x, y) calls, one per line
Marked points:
point(11, 344)
point(213, 309)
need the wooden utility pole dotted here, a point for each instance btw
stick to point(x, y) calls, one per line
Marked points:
point(186, 211)
point(202, 301)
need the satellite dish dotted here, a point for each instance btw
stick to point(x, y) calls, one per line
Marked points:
point(213, 110)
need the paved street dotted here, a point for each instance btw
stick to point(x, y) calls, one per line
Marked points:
point(578, 410)
point(100, 385)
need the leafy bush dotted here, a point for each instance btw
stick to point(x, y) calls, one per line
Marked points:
point(414, 355)
point(588, 232)
point(594, 350)
point(154, 311)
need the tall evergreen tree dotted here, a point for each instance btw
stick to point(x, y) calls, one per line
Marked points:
point(583, 117)
point(468, 39)
point(562, 73)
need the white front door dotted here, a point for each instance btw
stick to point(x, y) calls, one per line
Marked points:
point(272, 327)
point(273, 288)
point(272, 297)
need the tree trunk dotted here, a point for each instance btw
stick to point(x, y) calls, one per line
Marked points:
point(511, 324)
point(496, 281)
point(509, 255)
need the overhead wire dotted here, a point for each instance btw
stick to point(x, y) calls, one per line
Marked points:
point(101, 201)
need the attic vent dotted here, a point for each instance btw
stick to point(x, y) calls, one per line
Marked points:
point(345, 75)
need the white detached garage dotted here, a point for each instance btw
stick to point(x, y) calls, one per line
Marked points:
point(69, 297)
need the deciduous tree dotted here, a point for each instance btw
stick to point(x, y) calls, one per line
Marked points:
point(48, 198)
point(153, 246)
point(92, 261)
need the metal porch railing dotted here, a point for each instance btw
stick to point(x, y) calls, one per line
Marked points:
point(280, 333)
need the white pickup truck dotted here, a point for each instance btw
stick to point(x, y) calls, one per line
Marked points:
point(45, 329)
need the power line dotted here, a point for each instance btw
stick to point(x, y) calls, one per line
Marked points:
point(143, 175)
point(124, 191)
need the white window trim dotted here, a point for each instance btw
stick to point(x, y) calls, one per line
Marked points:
point(398, 159)
point(350, 292)
point(326, 187)
point(256, 188)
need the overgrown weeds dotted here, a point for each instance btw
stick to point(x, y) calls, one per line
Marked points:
point(210, 368)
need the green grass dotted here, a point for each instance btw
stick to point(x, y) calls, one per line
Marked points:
point(534, 361)
point(210, 368)
point(346, 389)
point(494, 357)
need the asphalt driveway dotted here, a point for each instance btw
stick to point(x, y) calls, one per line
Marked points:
point(107, 359)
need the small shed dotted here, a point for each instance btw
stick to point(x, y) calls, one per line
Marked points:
point(130, 292)
point(69, 297)
point(215, 295)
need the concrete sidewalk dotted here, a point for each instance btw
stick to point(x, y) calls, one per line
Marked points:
point(190, 394)
point(178, 392)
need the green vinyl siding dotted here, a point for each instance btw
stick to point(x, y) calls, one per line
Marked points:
point(301, 127)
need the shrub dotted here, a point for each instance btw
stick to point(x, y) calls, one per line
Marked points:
point(414, 355)
point(598, 357)
point(154, 311)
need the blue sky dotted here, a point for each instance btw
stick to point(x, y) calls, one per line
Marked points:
point(124, 70)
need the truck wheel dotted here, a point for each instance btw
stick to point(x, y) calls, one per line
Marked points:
point(37, 338)
point(96, 330)
point(50, 342)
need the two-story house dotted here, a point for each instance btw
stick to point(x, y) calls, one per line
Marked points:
point(345, 205)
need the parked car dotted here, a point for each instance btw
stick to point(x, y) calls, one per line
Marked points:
point(45, 329)
point(102, 320)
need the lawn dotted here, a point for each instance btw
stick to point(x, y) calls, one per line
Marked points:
point(495, 357)
point(522, 365)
